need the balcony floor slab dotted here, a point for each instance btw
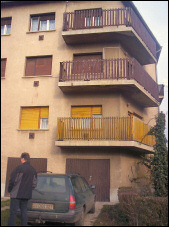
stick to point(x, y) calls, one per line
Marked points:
point(126, 35)
point(137, 92)
point(134, 145)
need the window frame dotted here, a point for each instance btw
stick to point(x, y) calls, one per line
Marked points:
point(34, 60)
point(93, 117)
point(39, 117)
point(40, 17)
point(3, 74)
point(3, 23)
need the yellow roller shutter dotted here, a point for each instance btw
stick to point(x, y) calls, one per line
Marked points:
point(83, 111)
point(97, 110)
point(44, 112)
point(29, 118)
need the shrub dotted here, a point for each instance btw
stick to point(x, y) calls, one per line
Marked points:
point(143, 211)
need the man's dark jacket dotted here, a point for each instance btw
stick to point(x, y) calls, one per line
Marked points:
point(22, 181)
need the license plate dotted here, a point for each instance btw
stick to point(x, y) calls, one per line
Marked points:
point(42, 206)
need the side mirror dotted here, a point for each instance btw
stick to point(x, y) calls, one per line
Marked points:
point(93, 187)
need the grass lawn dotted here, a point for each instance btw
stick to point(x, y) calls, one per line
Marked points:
point(5, 203)
point(111, 216)
point(5, 214)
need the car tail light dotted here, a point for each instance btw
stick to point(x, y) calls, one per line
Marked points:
point(72, 204)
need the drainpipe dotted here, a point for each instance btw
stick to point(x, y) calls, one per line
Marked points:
point(66, 6)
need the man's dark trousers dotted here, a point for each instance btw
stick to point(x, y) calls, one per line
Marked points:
point(14, 205)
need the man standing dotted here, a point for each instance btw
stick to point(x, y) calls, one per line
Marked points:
point(22, 181)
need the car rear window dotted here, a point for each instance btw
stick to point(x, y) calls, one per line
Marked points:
point(51, 184)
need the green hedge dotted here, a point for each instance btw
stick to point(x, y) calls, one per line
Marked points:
point(143, 211)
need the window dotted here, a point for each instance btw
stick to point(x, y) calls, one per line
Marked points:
point(51, 184)
point(37, 66)
point(3, 67)
point(91, 114)
point(6, 26)
point(34, 118)
point(43, 22)
point(76, 185)
point(86, 111)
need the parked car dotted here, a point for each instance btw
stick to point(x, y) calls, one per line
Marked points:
point(62, 198)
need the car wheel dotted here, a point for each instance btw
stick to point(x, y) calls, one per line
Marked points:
point(80, 222)
point(92, 211)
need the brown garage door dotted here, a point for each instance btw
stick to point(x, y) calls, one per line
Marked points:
point(96, 172)
point(40, 164)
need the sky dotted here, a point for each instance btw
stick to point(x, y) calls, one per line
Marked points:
point(155, 14)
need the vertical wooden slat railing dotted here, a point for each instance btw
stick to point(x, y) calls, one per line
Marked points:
point(109, 17)
point(109, 128)
point(144, 79)
point(140, 130)
point(142, 32)
point(96, 69)
point(112, 69)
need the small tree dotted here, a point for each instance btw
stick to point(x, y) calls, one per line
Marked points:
point(159, 163)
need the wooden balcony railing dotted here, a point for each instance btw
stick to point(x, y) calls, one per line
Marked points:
point(108, 128)
point(97, 18)
point(108, 69)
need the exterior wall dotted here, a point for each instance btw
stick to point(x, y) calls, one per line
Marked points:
point(18, 91)
point(151, 70)
point(92, 4)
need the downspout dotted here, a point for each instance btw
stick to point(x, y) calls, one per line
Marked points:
point(157, 76)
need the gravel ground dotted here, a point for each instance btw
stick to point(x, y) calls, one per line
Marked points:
point(91, 218)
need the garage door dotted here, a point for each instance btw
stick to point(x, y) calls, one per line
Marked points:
point(40, 164)
point(96, 172)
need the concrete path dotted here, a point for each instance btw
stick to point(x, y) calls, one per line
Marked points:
point(91, 218)
point(4, 208)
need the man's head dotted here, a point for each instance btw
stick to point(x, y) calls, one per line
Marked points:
point(25, 157)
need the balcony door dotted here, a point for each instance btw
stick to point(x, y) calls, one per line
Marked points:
point(87, 121)
point(89, 18)
point(87, 66)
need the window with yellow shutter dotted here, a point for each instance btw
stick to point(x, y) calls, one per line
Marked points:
point(86, 111)
point(92, 115)
point(34, 118)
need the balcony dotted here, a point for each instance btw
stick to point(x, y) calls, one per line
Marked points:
point(104, 132)
point(122, 75)
point(123, 25)
point(161, 92)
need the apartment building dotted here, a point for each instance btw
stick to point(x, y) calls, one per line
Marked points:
point(79, 90)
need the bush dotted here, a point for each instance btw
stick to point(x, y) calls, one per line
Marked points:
point(111, 216)
point(143, 211)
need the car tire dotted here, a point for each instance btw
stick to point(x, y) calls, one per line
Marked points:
point(80, 222)
point(92, 211)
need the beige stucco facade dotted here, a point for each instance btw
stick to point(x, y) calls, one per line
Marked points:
point(18, 91)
